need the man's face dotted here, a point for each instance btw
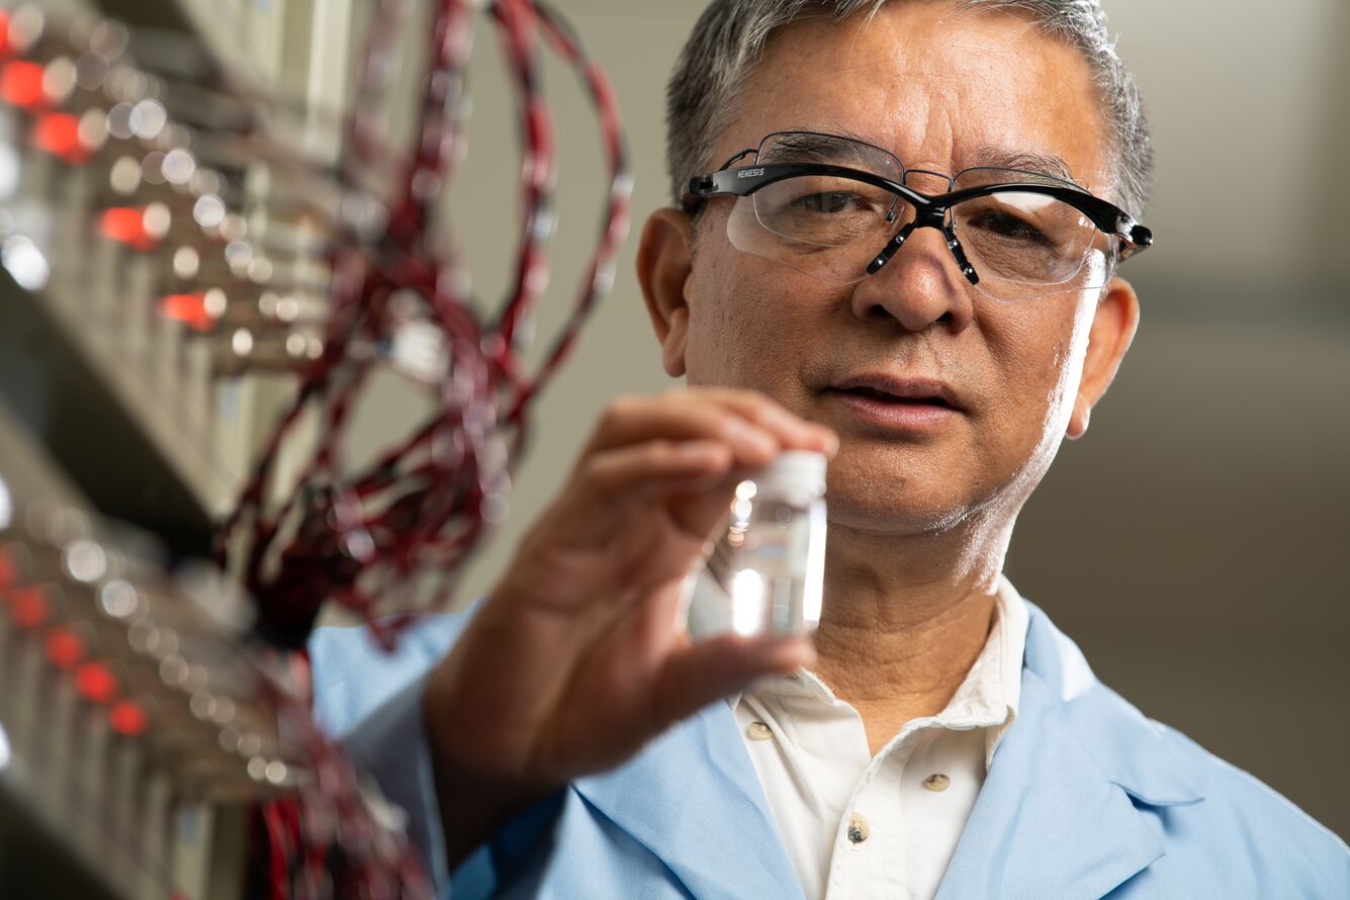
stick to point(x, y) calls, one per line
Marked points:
point(936, 88)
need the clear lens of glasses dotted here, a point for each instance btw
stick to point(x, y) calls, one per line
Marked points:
point(1025, 242)
point(1022, 244)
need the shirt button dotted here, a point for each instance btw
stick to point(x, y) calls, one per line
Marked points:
point(759, 731)
point(858, 829)
point(937, 782)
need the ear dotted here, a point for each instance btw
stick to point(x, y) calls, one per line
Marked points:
point(1113, 328)
point(664, 263)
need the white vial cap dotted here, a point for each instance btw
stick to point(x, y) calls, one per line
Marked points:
point(796, 473)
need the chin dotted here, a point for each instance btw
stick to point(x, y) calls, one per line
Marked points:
point(896, 506)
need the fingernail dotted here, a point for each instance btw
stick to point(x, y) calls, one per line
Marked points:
point(831, 442)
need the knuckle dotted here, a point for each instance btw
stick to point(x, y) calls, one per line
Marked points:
point(658, 453)
point(619, 409)
point(747, 403)
point(591, 471)
point(769, 413)
point(759, 412)
point(761, 404)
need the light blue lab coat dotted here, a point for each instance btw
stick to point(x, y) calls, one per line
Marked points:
point(1085, 798)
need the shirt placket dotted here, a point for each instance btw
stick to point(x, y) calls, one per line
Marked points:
point(869, 860)
point(817, 756)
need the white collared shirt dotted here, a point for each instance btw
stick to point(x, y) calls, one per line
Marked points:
point(856, 826)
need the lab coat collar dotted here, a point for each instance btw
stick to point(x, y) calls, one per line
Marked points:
point(1056, 816)
point(1131, 751)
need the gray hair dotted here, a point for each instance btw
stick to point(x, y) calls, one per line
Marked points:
point(731, 35)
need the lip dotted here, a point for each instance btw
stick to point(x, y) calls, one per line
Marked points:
point(903, 416)
point(905, 388)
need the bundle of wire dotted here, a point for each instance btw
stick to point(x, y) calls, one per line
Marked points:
point(424, 504)
point(368, 540)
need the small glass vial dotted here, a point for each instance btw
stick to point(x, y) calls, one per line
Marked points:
point(765, 574)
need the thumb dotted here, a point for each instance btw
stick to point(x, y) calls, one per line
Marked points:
point(715, 668)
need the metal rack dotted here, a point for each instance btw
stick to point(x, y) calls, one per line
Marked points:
point(109, 409)
point(74, 365)
point(163, 268)
point(51, 824)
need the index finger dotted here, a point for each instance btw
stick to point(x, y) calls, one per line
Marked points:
point(792, 431)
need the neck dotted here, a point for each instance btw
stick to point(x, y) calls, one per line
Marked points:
point(905, 618)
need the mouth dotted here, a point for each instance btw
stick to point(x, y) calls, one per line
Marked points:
point(881, 396)
point(898, 406)
point(889, 390)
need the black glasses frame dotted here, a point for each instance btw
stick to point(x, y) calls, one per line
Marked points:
point(930, 210)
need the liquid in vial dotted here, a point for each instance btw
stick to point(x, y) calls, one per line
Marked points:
point(764, 574)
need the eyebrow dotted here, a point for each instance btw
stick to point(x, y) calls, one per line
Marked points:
point(799, 146)
point(1040, 163)
point(802, 145)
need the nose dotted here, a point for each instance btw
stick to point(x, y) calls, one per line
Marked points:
point(919, 287)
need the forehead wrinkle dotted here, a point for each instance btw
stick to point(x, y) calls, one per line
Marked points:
point(985, 156)
point(928, 96)
point(931, 96)
point(945, 31)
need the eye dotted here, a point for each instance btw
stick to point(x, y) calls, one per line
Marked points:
point(832, 202)
point(1005, 225)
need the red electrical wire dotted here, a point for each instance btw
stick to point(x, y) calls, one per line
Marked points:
point(424, 503)
point(362, 539)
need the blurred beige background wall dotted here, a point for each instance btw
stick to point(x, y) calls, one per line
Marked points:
point(1193, 543)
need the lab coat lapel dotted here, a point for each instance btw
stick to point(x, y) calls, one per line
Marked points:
point(1055, 816)
point(692, 798)
point(1047, 822)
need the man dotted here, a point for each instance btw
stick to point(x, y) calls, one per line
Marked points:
point(907, 262)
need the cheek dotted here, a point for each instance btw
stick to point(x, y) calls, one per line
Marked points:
point(722, 313)
point(747, 324)
point(1071, 351)
point(1061, 368)
point(1042, 355)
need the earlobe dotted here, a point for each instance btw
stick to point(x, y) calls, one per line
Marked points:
point(1078, 420)
point(1113, 327)
point(664, 265)
point(673, 346)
